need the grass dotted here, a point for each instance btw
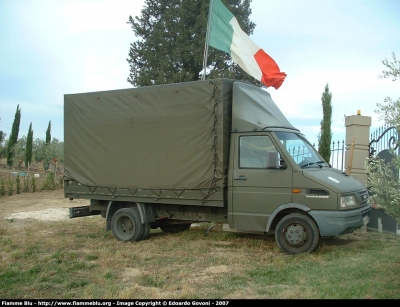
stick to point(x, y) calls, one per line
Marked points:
point(79, 259)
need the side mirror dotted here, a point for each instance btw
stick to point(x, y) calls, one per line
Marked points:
point(272, 159)
point(283, 164)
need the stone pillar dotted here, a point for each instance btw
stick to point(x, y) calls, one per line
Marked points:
point(357, 127)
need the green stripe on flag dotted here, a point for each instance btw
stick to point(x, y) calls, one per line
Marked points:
point(221, 31)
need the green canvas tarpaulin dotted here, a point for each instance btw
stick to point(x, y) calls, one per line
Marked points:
point(169, 136)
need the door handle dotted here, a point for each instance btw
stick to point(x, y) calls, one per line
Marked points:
point(241, 178)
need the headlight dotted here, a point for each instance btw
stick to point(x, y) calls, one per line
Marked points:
point(348, 201)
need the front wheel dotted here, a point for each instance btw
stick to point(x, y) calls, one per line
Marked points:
point(297, 233)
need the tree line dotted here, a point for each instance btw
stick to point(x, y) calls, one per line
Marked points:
point(26, 149)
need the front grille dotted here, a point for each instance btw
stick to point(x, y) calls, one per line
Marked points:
point(363, 197)
point(317, 192)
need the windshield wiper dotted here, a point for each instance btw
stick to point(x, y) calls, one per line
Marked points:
point(312, 163)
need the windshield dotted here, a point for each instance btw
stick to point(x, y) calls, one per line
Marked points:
point(302, 152)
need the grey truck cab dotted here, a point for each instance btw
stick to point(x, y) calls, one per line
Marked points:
point(217, 151)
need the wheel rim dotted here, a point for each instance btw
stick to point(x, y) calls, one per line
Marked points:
point(295, 234)
point(125, 226)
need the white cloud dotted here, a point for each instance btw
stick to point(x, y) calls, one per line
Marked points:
point(101, 15)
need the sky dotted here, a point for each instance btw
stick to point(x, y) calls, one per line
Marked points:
point(50, 48)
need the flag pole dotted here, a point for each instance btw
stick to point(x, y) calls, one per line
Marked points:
point(207, 40)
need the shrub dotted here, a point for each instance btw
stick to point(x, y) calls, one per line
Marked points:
point(384, 185)
point(49, 183)
point(10, 186)
point(33, 184)
point(18, 184)
point(26, 185)
point(2, 187)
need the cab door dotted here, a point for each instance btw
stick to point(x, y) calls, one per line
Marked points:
point(256, 190)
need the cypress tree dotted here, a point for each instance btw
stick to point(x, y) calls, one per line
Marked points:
point(325, 136)
point(29, 145)
point(13, 136)
point(171, 40)
point(46, 160)
point(48, 134)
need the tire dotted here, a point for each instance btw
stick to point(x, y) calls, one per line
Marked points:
point(146, 231)
point(126, 225)
point(297, 233)
point(175, 228)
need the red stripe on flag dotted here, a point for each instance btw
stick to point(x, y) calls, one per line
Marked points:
point(271, 75)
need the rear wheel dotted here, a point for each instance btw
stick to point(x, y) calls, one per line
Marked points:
point(297, 233)
point(175, 228)
point(126, 225)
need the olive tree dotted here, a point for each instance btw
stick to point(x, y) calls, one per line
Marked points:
point(3, 147)
point(383, 178)
point(19, 150)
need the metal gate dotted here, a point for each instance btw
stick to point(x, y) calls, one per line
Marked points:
point(384, 138)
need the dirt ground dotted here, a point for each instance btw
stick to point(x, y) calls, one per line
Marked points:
point(44, 205)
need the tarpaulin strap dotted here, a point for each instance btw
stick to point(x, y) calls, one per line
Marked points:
point(211, 188)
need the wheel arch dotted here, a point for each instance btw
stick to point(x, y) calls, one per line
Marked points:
point(284, 210)
point(147, 211)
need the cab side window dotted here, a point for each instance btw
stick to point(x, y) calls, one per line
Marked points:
point(253, 151)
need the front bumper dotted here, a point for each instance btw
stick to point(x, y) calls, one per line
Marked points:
point(336, 223)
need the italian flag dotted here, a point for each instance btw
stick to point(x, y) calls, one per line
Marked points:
point(226, 35)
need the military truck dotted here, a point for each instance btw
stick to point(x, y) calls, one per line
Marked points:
point(217, 151)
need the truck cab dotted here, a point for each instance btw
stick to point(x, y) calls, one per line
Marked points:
point(278, 182)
